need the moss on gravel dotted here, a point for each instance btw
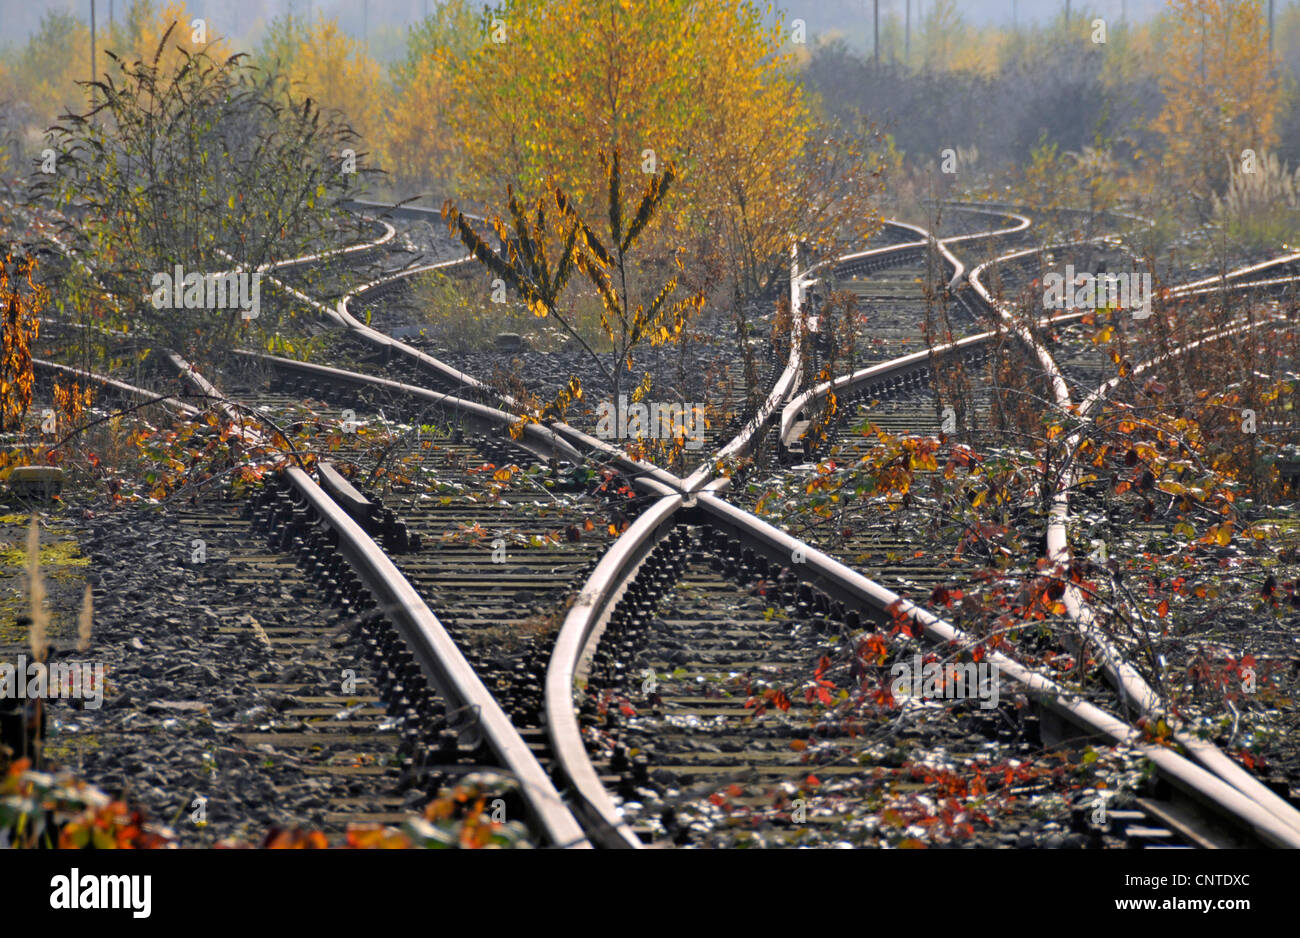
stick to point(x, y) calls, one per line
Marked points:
point(61, 562)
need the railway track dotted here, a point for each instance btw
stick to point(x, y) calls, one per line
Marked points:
point(371, 699)
point(700, 614)
point(637, 632)
point(1167, 813)
point(1136, 693)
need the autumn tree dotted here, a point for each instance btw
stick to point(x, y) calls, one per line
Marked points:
point(141, 38)
point(45, 75)
point(943, 37)
point(1220, 93)
point(278, 49)
point(602, 256)
point(335, 71)
point(414, 146)
point(708, 87)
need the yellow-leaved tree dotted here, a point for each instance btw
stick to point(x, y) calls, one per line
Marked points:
point(1220, 94)
point(709, 88)
point(336, 72)
point(46, 73)
point(191, 33)
point(410, 146)
point(414, 146)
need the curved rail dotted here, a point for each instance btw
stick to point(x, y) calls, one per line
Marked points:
point(459, 379)
point(1133, 689)
point(799, 285)
point(785, 382)
point(796, 409)
point(582, 626)
point(1058, 551)
point(574, 643)
point(440, 660)
point(127, 390)
point(581, 630)
point(851, 587)
point(1206, 783)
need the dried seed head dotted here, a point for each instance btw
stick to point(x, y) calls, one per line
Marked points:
point(36, 591)
point(84, 621)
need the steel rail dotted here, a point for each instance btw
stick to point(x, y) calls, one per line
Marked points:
point(1008, 208)
point(1133, 689)
point(399, 210)
point(232, 413)
point(781, 389)
point(1058, 550)
point(389, 232)
point(341, 314)
point(737, 446)
point(1218, 281)
point(1209, 756)
point(584, 622)
point(440, 659)
point(443, 664)
point(540, 440)
point(852, 587)
point(1269, 284)
point(439, 656)
point(799, 283)
point(128, 390)
point(796, 409)
point(586, 619)
point(576, 640)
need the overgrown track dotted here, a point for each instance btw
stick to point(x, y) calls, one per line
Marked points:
point(646, 565)
point(1135, 692)
point(411, 714)
point(696, 593)
point(596, 807)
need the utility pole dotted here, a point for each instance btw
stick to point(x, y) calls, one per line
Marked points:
point(92, 51)
point(875, 4)
point(1067, 14)
point(1270, 27)
point(907, 35)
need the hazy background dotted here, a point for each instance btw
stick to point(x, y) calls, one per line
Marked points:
point(244, 21)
